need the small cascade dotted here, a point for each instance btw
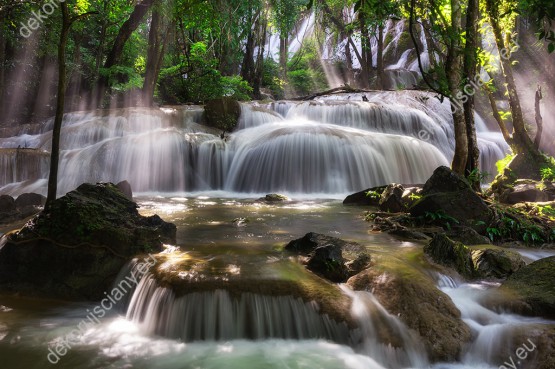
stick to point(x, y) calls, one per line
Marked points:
point(384, 337)
point(219, 316)
point(493, 331)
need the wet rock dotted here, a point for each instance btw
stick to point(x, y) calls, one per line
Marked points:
point(468, 236)
point(445, 180)
point(391, 199)
point(7, 204)
point(445, 251)
point(495, 263)
point(30, 199)
point(526, 191)
point(480, 263)
point(75, 249)
point(534, 284)
point(330, 257)
point(415, 299)
point(274, 197)
point(449, 194)
point(125, 188)
point(223, 113)
point(368, 197)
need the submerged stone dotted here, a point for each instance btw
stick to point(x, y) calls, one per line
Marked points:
point(75, 249)
point(330, 257)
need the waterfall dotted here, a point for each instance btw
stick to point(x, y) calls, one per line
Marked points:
point(335, 145)
point(307, 157)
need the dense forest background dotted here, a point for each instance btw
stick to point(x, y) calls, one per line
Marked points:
point(139, 53)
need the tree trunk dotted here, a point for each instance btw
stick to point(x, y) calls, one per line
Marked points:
point(349, 64)
point(55, 150)
point(366, 65)
point(2, 61)
point(114, 56)
point(539, 119)
point(283, 51)
point(379, 64)
point(259, 68)
point(521, 142)
point(470, 71)
point(453, 70)
point(153, 62)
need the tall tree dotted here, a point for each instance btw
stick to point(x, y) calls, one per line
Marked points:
point(67, 21)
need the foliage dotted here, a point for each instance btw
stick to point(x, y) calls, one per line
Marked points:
point(439, 218)
point(373, 194)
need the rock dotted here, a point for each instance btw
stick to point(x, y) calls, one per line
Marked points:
point(445, 251)
point(416, 300)
point(368, 197)
point(534, 284)
point(495, 263)
point(330, 257)
point(223, 113)
point(7, 204)
point(524, 191)
point(450, 195)
point(445, 180)
point(480, 263)
point(391, 199)
point(75, 249)
point(468, 236)
point(274, 197)
point(327, 261)
point(125, 188)
point(30, 199)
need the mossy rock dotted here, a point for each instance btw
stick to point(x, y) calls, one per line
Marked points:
point(534, 284)
point(473, 263)
point(416, 300)
point(223, 113)
point(330, 257)
point(75, 248)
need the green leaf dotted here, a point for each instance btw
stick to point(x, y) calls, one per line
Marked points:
point(551, 48)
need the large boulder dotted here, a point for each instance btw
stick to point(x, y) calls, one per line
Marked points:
point(75, 249)
point(416, 300)
point(223, 113)
point(449, 194)
point(534, 284)
point(368, 197)
point(30, 199)
point(7, 204)
point(330, 257)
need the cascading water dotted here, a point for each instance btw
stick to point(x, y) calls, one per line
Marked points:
point(335, 145)
point(493, 331)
